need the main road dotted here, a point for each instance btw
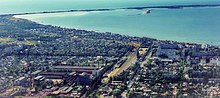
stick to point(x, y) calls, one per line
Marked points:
point(148, 55)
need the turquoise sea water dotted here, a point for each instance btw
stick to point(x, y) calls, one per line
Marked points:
point(200, 25)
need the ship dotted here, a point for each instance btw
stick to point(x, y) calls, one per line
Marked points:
point(147, 12)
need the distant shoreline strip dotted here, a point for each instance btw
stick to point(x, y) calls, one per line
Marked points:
point(112, 9)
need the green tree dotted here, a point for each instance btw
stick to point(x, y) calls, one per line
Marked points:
point(116, 92)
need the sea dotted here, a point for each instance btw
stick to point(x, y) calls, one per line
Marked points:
point(195, 25)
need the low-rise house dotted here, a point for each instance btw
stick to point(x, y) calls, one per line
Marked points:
point(22, 81)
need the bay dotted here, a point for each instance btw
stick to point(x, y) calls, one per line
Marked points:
point(198, 25)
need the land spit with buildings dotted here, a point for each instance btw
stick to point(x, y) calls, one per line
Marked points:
point(49, 61)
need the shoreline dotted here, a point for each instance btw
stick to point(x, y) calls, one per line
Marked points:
point(112, 9)
point(102, 32)
point(121, 33)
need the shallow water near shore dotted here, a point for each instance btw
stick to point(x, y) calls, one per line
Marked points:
point(185, 25)
point(197, 25)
